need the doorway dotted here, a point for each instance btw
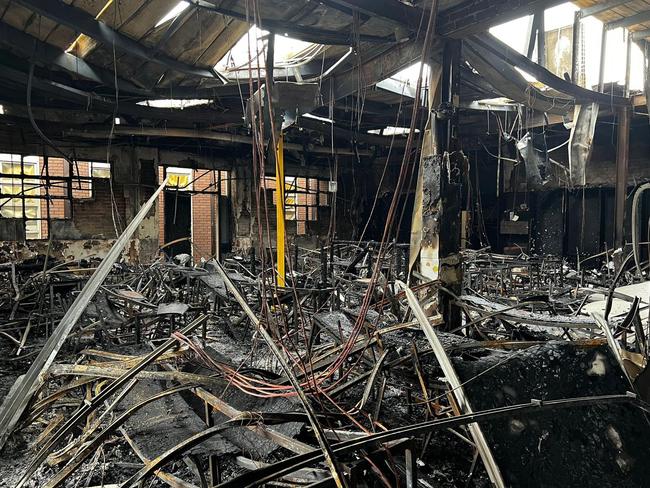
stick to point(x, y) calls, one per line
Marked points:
point(178, 222)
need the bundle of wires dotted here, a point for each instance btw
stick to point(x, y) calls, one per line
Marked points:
point(315, 383)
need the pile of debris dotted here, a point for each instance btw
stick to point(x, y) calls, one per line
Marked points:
point(212, 375)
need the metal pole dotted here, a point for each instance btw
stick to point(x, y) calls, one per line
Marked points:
point(622, 158)
point(603, 59)
point(576, 48)
point(628, 64)
point(279, 209)
point(541, 39)
point(213, 233)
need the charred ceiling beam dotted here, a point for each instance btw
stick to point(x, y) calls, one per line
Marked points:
point(373, 70)
point(472, 81)
point(393, 10)
point(81, 21)
point(302, 33)
point(512, 57)
point(508, 81)
point(347, 118)
point(635, 19)
point(29, 47)
point(642, 34)
point(377, 108)
point(466, 18)
point(209, 135)
point(90, 101)
point(348, 135)
point(599, 8)
point(473, 16)
point(231, 90)
point(137, 113)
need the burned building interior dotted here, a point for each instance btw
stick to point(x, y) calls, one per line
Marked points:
point(299, 243)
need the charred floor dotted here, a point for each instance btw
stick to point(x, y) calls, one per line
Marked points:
point(287, 243)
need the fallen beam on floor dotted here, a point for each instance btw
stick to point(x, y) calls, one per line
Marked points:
point(18, 399)
point(456, 388)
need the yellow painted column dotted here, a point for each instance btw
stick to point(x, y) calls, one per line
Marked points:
point(279, 209)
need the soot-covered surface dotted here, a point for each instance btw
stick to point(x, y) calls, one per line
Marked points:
point(602, 445)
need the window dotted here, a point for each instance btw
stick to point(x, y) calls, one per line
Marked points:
point(302, 197)
point(37, 190)
point(22, 206)
point(100, 170)
point(180, 178)
point(197, 181)
point(558, 23)
point(225, 182)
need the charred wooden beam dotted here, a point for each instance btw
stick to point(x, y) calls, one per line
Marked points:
point(520, 61)
point(642, 34)
point(541, 39)
point(473, 16)
point(508, 81)
point(468, 17)
point(64, 93)
point(576, 47)
point(599, 8)
point(603, 58)
point(348, 135)
point(374, 69)
point(450, 166)
point(635, 19)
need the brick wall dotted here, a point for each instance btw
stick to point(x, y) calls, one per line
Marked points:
point(56, 167)
point(203, 208)
point(93, 216)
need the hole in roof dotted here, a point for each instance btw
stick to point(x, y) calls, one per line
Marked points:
point(406, 81)
point(289, 53)
point(173, 13)
point(102, 11)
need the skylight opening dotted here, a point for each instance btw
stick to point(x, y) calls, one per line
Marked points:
point(392, 131)
point(173, 13)
point(173, 103)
